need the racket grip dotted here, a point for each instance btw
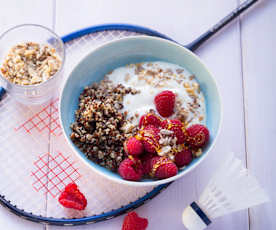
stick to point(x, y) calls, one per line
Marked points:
point(2, 92)
point(223, 22)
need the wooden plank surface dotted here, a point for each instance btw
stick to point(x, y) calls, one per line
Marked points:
point(183, 21)
point(241, 58)
point(258, 51)
point(13, 13)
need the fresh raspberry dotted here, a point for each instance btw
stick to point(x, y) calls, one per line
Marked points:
point(163, 167)
point(133, 146)
point(152, 129)
point(146, 162)
point(134, 222)
point(183, 158)
point(150, 138)
point(150, 119)
point(150, 145)
point(178, 129)
point(71, 197)
point(164, 103)
point(131, 169)
point(198, 135)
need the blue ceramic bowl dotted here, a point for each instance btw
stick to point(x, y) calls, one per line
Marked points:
point(132, 50)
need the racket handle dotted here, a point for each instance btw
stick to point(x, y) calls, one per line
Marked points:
point(2, 92)
point(235, 13)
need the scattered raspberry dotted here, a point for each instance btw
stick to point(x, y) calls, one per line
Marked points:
point(178, 129)
point(198, 135)
point(133, 146)
point(134, 222)
point(150, 119)
point(131, 169)
point(162, 167)
point(164, 103)
point(71, 197)
point(150, 138)
point(183, 158)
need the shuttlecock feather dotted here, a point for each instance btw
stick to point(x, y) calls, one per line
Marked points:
point(232, 188)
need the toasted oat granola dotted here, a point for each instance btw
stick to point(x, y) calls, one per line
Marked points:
point(30, 63)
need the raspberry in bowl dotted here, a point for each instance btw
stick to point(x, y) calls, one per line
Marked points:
point(128, 117)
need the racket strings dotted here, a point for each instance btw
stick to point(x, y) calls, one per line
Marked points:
point(36, 162)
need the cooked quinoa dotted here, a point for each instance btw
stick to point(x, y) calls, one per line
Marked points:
point(99, 129)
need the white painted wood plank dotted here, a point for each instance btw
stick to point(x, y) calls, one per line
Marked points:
point(15, 12)
point(222, 56)
point(183, 21)
point(258, 41)
point(9, 221)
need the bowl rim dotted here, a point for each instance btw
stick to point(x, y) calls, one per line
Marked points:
point(63, 56)
point(154, 182)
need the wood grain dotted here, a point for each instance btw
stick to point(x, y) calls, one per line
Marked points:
point(183, 21)
point(258, 50)
point(15, 12)
point(241, 59)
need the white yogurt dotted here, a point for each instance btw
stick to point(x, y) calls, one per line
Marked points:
point(150, 86)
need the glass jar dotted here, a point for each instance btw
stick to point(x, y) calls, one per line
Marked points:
point(38, 93)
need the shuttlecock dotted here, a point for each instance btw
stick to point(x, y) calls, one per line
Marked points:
point(231, 189)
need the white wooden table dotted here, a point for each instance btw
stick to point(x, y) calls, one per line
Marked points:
point(242, 59)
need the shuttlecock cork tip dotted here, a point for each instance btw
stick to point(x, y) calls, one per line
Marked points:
point(194, 218)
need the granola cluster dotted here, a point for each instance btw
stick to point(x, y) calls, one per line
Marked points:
point(99, 128)
point(30, 63)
